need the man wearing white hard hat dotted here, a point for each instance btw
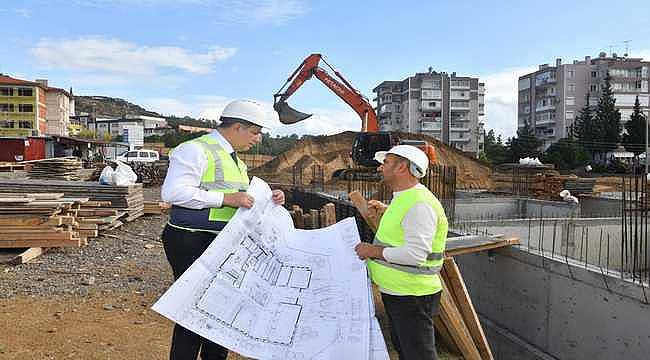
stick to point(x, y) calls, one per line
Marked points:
point(407, 253)
point(206, 183)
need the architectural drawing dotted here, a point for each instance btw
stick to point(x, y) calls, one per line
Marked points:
point(266, 290)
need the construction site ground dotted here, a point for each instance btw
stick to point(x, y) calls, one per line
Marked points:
point(94, 302)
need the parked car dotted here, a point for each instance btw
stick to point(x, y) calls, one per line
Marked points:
point(142, 155)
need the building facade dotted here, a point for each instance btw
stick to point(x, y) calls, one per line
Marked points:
point(22, 107)
point(447, 107)
point(60, 107)
point(550, 99)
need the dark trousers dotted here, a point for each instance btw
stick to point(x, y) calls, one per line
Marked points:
point(182, 248)
point(411, 320)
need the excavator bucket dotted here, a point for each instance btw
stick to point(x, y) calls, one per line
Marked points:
point(287, 114)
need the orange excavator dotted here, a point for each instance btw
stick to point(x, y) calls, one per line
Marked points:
point(368, 141)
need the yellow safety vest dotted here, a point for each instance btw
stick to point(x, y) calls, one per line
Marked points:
point(222, 175)
point(405, 279)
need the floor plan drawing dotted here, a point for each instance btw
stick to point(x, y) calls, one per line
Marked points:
point(266, 290)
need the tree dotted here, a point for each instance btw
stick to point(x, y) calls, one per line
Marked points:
point(607, 121)
point(525, 144)
point(635, 128)
point(566, 154)
point(583, 127)
point(87, 134)
point(495, 151)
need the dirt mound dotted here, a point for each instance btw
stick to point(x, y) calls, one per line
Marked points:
point(333, 152)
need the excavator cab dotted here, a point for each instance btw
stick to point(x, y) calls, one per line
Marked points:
point(365, 146)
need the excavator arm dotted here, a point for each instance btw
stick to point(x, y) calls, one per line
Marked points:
point(310, 67)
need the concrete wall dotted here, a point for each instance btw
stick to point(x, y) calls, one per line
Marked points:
point(513, 208)
point(555, 308)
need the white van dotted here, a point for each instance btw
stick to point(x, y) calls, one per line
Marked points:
point(142, 155)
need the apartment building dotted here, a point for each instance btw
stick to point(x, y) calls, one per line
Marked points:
point(446, 106)
point(550, 98)
point(60, 107)
point(22, 107)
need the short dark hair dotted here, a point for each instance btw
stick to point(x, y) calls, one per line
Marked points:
point(227, 122)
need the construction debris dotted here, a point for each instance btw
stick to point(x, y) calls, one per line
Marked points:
point(156, 207)
point(10, 166)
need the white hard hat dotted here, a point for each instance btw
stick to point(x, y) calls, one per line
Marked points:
point(247, 110)
point(419, 160)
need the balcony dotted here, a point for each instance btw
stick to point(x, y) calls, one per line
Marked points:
point(431, 125)
point(544, 122)
point(545, 108)
point(460, 105)
point(461, 140)
point(544, 82)
point(460, 128)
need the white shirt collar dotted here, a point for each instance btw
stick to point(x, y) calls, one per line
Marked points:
point(222, 141)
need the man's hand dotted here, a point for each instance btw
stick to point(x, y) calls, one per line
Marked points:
point(368, 251)
point(238, 199)
point(278, 197)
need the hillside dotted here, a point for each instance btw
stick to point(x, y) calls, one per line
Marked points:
point(116, 107)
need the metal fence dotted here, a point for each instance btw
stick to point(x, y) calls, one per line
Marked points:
point(634, 227)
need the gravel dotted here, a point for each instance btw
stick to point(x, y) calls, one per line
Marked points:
point(127, 260)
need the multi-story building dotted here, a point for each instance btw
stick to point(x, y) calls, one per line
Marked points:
point(149, 125)
point(550, 98)
point(22, 107)
point(60, 107)
point(447, 107)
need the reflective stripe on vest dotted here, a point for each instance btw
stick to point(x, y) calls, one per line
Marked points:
point(222, 175)
point(406, 279)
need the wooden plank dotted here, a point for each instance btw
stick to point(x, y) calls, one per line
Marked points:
point(452, 318)
point(443, 332)
point(64, 235)
point(88, 233)
point(300, 222)
point(28, 221)
point(330, 214)
point(315, 218)
point(362, 206)
point(39, 243)
point(476, 244)
point(454, 282)
point(28, 255)
point(96, 212)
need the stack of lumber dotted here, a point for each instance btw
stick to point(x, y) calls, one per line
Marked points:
point(156, 207)
point(55, 169)
point(125, 199)
point(10, 166)
point(541, 185)
point(39, 220)
point(314, 218)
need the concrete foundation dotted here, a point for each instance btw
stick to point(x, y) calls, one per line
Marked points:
point(536, 307)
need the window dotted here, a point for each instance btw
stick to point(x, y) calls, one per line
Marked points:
point(144, 154)
point(387, 98)
point(594, 74)
point(25, 124)
point(132, 154)
point(6, 107)
point(570, 101)
point(593, 88)
point(571, 88)
point(25, 108)
point(570, 74)
point(569, 115)
point(5, 91)
point(25, 92)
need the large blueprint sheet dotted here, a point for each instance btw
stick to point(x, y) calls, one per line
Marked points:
point(266, 290)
